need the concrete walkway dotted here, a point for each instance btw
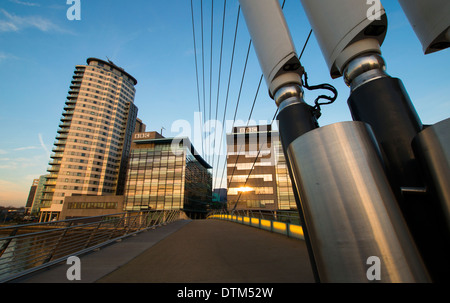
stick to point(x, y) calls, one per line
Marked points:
point(207, 251)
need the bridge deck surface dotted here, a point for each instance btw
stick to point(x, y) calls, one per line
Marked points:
point(207, 251)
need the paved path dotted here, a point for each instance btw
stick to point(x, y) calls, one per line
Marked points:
point(209, 251)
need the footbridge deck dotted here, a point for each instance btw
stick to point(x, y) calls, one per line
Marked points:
point(192, 251)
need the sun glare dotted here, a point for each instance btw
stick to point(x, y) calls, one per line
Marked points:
point(245, 189)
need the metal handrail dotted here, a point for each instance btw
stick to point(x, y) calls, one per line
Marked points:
point(27, 248)
point(279, 221)
point(286, 216)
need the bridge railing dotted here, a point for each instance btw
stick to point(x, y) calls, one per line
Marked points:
point(31, 247)
point(283, 222)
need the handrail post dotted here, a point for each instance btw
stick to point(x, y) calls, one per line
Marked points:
point(161, 217)
point(130, 225)
point(6, 244)
point(116, 226)
point(91, 236)
point(158, 218)
point(144, 221)
point(61, 237)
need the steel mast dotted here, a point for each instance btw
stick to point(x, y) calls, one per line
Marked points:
point(349, 209)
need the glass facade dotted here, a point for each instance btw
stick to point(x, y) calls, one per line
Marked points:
point(165, 176)
point(285, 194)
point(258, 177)
point(37, 203)
point(198, 186)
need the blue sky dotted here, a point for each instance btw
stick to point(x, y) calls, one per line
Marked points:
point(153, 41)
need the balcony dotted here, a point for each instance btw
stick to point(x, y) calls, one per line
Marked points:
point(66, 118)
point(68, 113)
point(65, 124)
point(61, 136)
point(47, 197)
point(64, 130)
point(69, 107)
point(60, 142)
point(55, 162)
point(56, 155)
point(58, 149)
point(48, 190)
point(52, 176)
point(72, 94)
point(53, 169)
point(50, 183)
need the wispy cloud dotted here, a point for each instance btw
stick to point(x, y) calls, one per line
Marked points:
point(8, 26)
point(41, 141)
point(24, 3)
point(26, 148)
point(5, 56)
point(14, 23)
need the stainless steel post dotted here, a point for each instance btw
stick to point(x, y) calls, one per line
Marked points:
point(350, 39)
point(282, 71)
point(348, 209)
point(432, 148)
point(351, 212)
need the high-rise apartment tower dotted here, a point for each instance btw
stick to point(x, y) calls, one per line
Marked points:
point(94, 136)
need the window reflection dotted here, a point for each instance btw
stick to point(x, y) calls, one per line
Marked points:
point(258, 164)
point(161, 178)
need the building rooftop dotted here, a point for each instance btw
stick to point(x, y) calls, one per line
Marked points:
point(111, 64)
point(185, 140)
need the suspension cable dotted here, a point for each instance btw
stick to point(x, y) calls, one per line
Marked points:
point(229, 80)
point(196, 64)
point(220, 70)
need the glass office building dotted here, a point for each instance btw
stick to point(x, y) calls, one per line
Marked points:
point(167, 174)
point(258, 177)
point(37, 202)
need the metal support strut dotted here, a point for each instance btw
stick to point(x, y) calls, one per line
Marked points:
point(348, 209)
